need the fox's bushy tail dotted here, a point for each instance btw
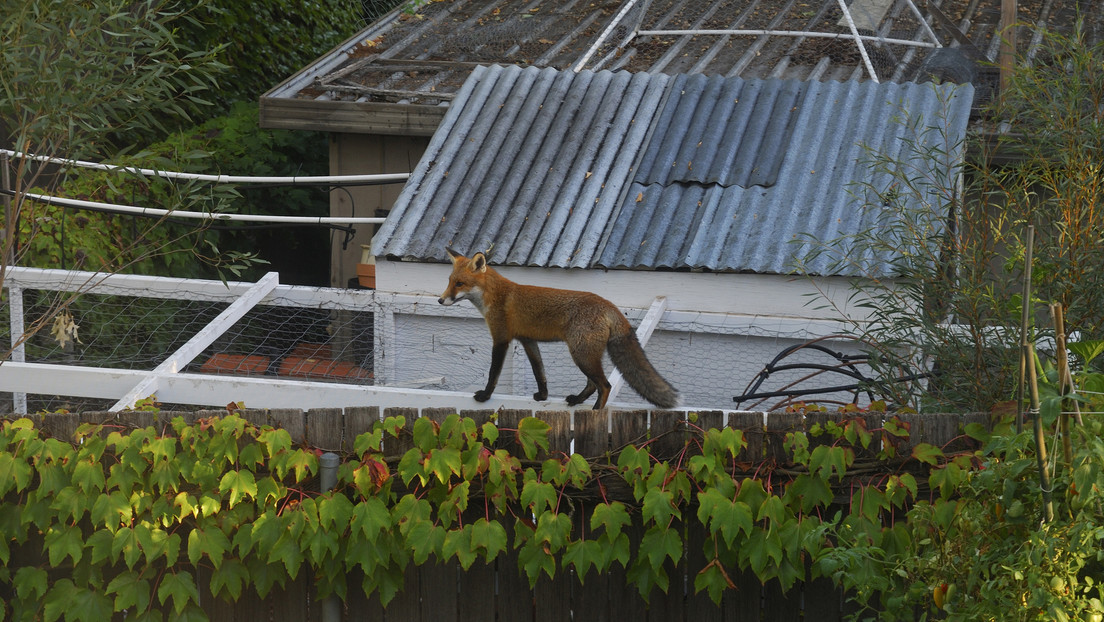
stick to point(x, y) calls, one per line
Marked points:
point(628, 356)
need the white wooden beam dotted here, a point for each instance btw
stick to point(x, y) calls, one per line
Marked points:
point(215, 391)
point(643, 333)
point(199, 342)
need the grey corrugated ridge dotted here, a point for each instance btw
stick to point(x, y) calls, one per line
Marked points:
point(822, 170)
point(650, 161)
point(443, 206)
point(526, 177)
point(551, 165)
point(581, 224)
point(397, 228)
point(742, 229)
point(487, 148)
point(567, 204)
point(496, 198)
point(645, 91)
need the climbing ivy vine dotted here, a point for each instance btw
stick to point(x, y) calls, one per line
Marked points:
point(126, 519)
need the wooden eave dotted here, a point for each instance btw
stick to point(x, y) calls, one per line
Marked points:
point(401, 119)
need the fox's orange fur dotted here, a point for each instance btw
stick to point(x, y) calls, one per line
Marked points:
point(588, 323)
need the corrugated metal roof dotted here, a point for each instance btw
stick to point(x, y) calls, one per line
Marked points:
point(644, 171)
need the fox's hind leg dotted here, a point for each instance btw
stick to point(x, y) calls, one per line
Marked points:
point(591, 366)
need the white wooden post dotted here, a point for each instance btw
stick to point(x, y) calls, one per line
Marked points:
point(198, 343)
point(643, 333)
point(19, 350)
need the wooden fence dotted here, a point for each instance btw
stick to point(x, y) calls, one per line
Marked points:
point(498, 591)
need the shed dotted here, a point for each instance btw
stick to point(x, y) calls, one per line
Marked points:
point(381, 94)
point(703, 190)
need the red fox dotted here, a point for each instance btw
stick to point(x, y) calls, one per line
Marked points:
point(588, 323)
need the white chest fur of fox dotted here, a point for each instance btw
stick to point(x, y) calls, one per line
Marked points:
point(589, 324)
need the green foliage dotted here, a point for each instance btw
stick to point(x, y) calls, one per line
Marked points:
point(131, 519)
point(74, 73)
point(60, 237)
point(268, 39)
point(978, 551)
point(1053, 107)
point(954, 305)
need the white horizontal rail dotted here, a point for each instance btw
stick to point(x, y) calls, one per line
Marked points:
point(219, 216)
point(254, 392)
point(174, 288)
point(379, 178)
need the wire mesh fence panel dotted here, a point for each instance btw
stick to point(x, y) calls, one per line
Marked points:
point(362, 337)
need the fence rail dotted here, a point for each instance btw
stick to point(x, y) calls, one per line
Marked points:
point(498, 591)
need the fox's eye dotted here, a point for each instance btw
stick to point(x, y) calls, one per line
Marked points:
point(459, 283)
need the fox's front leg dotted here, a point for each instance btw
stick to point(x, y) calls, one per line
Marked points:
point(533, 351)
point(498, 355)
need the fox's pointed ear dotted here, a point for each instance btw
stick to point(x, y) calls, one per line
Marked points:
point(455, 255)
point(479, 263)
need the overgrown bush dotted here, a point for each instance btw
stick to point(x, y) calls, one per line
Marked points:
point(954, 307)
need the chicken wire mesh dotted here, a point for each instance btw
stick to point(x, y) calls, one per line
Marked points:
point(383, 340)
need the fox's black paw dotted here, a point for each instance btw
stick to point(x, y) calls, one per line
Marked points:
point(540, 396)
point(482, 396)
point(574, 399)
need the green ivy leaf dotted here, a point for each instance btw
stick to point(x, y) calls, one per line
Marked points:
point(70, 503)
point(927, 453)
point(443, 463)
point(411, 466)
point(229, 578)
point(30, 583)
point(723, 515)
point(14, 471)
point(239, 484)
point(809, 493)
point(584, 554)
point(304, 463)
point(488, 536)
point(533, 559)
point(660, 543)
point(180, 587)
point(659, 507)
point(76, 603)
point(387, 582)
point(713, 579)
point(772, 509)
point(368, 441)
point(335, 512)
point(533, 435)
point(130, 590)
point(458, 543)
point(63, 541)
point(210, 542)
point(425, 434)
point(288, 552)
point(763, 549)
point(274, 440)
point(89, 476)
point(538, 496)
point(369, 518)
point(612, 517)
point(490, 433)
point(826, 459)
point(322, 546)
